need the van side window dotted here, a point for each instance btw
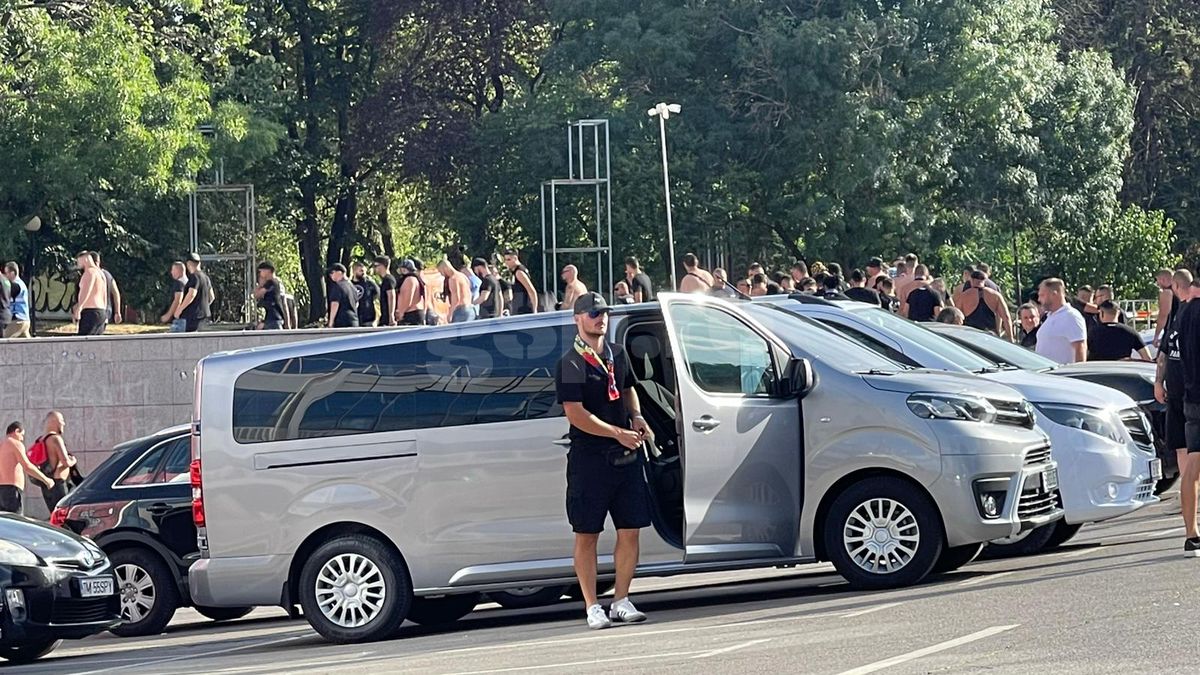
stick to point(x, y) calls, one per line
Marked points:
point(723, 355)
point(475, 379)
point(872, 344)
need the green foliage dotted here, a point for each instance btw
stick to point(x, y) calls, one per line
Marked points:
point(1124, 252)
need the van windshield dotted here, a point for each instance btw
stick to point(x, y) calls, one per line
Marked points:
point(1005, 351)
point(923, 337)
point(811, 340)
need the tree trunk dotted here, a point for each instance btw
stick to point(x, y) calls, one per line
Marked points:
point(309, 245)
point(385, 227)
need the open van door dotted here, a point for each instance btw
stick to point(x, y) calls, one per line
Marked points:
point(740, 423)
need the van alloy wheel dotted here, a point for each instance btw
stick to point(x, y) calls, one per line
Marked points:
point(136, 587)
point(350, 590)
point(881, 535)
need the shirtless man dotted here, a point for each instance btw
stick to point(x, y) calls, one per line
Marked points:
point(461, 307)
point(1167, 302)
point(58, 462)
point(574, 288)
point(984, 308)
point(13, 467)
point(696, 279)
point(410, 299)
point(905, 275)
point(91, 310)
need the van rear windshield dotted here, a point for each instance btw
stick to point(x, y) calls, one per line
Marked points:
point(475, 379)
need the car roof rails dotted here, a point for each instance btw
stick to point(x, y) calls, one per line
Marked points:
point(805, 298)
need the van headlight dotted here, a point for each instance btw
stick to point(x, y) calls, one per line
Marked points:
point(1091, 420)
point(16, 554)
point(952, 407)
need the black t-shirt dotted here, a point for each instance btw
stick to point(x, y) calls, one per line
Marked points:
point(1090, 321)
point(343, 293)
point(1112, 342)
point(201, 307)
point(1170, 345)
point(387, 283)
point(1029, 340)
point(272, 300)
point(833, 294)
point(1189, 349)
point(864, 295)
point(521, 302)
point(576, 381)
point(923, 303)
point(641, 282)
point(494, 305)
point(367, 291)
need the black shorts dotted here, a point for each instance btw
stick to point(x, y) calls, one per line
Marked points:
point(596, 489)
point(92, 321)
point(195, 325)
point(1191, 427)
point(10, 500)
point(53, 495)
point(1175, 436)
point(414, 318)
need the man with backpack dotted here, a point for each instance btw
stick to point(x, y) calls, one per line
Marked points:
point(49, 454)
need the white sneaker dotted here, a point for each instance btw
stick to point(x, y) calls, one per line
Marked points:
point(596, 618)
point(623, 611)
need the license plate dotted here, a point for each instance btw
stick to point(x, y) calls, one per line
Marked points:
point(1050, 479)
point(1156, 469)
point(95, 588)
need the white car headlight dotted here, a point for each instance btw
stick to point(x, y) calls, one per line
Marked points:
point(16, 554)
point(932, 406)
point(1091, 420)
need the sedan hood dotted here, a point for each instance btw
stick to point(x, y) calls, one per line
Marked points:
point(940, 381)
point(1042, 388)
point(51, 544)
point(1140, 368)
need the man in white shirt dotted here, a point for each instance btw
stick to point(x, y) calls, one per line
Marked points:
point(1062, 336)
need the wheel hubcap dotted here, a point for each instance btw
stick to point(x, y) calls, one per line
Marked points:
point(881, 536)
point(350, 590)
point(137, 592)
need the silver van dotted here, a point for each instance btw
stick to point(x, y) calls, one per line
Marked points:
point(399, 474)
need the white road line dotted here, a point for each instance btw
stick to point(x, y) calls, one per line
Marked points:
point(983, 579)
point(198, 655)
point(932, 649)
point(876, 608)
point(1079, 551)
point(734, 648)
point(596, 662)
point(1163, 533)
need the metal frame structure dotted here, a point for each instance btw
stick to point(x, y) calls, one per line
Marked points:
point(599, 179)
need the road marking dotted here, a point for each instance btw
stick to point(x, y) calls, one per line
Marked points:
point(832, 584)
point(596, 662)
point(1078, 552)
point(987, 577)
point(877, 608)
point(1163, 533)
point(198, 655)
point(932, 649)
point(734, 648)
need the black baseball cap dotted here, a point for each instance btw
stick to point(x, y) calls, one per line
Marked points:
point(408, 265)
point(336, 267)
point(193, 257)
point(591, 302)
point(479, 262)
point(875, 262)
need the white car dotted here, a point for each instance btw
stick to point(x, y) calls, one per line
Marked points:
point(1099, 437)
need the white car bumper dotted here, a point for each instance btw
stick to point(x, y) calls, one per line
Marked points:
point(1100, 479)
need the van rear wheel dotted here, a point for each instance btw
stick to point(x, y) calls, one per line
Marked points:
point(355, 589)
point(443, 610)
point(883, 532)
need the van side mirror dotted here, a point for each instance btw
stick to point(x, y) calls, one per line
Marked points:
point(798, 378)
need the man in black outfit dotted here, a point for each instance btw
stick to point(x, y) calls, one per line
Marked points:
point(269, 295)
point(604, 473)
point(491, 298)
point(923, 302)
point(367, 292)
point(387, 291)
point(832, 288)
point(1187, 339)
point(858, 290)
point(196, 309)
point(639, 281)
point(1111, 340)
point(343, 301)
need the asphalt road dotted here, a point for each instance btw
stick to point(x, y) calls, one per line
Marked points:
point(1120, 598)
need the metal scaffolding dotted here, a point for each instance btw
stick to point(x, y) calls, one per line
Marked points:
point(587, 147)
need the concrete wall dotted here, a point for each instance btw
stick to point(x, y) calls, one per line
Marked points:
point(112, 388)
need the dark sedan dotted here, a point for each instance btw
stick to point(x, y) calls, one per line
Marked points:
point(1133, 378)
point(138, 507)
point(54, 585)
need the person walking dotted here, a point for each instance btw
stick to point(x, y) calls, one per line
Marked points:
point(387, 291)
point(696, 279)
point(14, 464)
point(1030, 317)
point(18, 324)
point(410, 299)
point(595, 386)
point(639, 281)
point(1188, 338)
point(573, 288)
point(1112, 340)
point(984, 308)
point(490, 301)
point(196, 308)
point(269, 295)
point(115, 313)
point(178, 288)
point(366, 293)
point(343, 300)
point(1169, 389)
point(91, 309)
point(1062, 337)
point(459, 293)
point(49, 452)
point(524, 295)
point(1168, 302)
point(922, 302)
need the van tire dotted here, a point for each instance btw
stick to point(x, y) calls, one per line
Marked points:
point(28, 653)
point(1033, 542)
point(883, 495)
point(390, 568)
point(223, 613)
point(137, 564)
point(531, 596)
point(954, 557)
point(442, 610)
point(1063, 533)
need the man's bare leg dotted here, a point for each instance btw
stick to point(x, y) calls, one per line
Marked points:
point(585, 566)
point(626, 556)
point(1190, 485)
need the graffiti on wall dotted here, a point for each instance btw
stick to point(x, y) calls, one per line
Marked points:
point(53, 295)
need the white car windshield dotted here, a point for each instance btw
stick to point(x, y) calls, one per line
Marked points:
point(911, 331)
point(811, 340)
point(1003, 351)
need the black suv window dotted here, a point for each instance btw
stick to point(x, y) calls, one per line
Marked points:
point(178, 458)
point(144, 469)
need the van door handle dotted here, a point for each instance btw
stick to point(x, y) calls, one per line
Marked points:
point(706, 423)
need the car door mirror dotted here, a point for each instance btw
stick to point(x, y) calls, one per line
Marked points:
point(798, 377)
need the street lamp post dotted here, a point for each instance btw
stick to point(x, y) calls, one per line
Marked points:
point(663, 112)
point(32, 226)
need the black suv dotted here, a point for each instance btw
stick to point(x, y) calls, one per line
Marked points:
point(138, 507)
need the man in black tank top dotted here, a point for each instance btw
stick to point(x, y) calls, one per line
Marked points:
point(984, 308)
point(524, 300)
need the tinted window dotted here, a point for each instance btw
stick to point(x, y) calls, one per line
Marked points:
point(174, 468)
point(142, 472)
point(911, 331)
point(999, 349)
point(723, 355)
point(818, 342)
point(873, 344)
point(497, 377)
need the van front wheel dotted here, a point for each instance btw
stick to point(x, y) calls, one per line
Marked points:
point(355, 589)
point(883, 533)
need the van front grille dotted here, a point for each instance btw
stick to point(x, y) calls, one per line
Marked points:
point(1040, 455)
point(1035, 502)
point(69, 611)
point(1139, 429)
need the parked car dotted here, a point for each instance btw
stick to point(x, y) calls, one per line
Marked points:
point(137, 506)
point(1094, 430)
point(54, 585)
point(378, 477)
point(1135, 379)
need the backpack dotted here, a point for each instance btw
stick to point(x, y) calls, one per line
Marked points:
point(37, 452)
